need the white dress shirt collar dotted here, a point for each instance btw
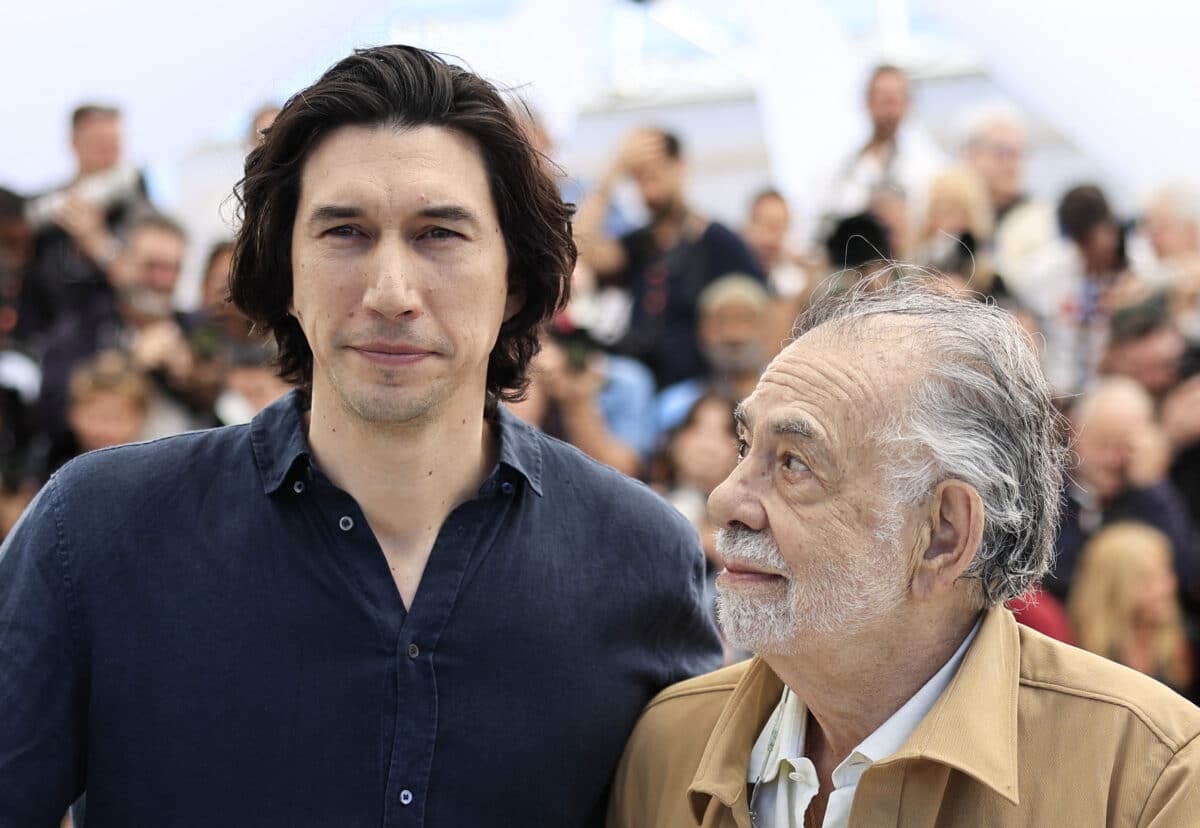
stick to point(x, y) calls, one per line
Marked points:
point(789, 777)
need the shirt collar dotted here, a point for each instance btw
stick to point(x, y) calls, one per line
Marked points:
point(972, 726)
point(277, 435)
point(279, 440)
point(774, 748)
point(520, 447)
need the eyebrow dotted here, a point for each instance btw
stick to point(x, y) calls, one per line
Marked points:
point(338, 212)
point(788, 426)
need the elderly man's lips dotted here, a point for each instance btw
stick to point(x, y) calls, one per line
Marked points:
point(735, 573)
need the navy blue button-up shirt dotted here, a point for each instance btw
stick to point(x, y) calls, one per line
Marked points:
point(203, 631)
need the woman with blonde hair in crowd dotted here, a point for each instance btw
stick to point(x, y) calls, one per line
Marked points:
point(1125, 607)
point(956, 238)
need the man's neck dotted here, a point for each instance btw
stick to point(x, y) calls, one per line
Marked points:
point(668, 226)
point(881, 143)
point(408, 477)
point(852, 686)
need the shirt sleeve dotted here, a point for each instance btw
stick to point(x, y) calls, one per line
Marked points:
point(41, 687)
point(1174, 801)
point(687, 633)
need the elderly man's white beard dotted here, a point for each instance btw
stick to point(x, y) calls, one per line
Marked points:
point(838, 593)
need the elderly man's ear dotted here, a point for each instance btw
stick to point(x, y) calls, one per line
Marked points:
point(950, 539)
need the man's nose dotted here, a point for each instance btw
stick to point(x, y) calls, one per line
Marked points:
point(394, 285)
point(737, 500)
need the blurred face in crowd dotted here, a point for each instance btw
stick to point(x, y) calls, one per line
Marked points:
point(766, 230)
point(216, 280)
point(731, 336)
point(1100, 247)
point(16, 242)
point(999, 158)
point(1170, 234)
point(811, 542)
point(399, 271)
point(147, 271)
point(1152, 361)
point(948, 212)
point(106, 418)
point(259, 385)
point(887, 103)
point(1154, 600)
point(659, 179)
point(262, 120)
point(1107, 432)
point(704, 450)
point(96, 141)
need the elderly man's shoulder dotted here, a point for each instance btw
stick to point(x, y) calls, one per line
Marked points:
point(677, 723)
point(1102, 698)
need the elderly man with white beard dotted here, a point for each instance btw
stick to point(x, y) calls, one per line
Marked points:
point(900, 478)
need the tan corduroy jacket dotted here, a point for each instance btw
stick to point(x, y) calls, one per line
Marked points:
point(1030, 732)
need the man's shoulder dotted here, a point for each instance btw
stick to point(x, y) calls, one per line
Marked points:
point(677, 724)
point(167, 461)
point(572, 479)
point(708, 693)
point(1095, 686)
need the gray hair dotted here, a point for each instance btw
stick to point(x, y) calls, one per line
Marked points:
point(981, 411)
point(1181, 198)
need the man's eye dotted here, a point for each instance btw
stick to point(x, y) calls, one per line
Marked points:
point(794, 464)
point(440, 233)
point(743, 448)
point(344, 231)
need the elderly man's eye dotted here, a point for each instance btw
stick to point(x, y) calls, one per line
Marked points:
point(743, 449)
point(794, 464)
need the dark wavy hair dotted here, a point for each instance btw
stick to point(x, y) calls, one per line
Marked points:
point(404, 87)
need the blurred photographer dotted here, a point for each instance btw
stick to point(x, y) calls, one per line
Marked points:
point(139, 320)
point(80, 226)
point(602, 404)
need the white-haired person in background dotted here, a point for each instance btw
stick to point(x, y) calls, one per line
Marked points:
point(900, 475)
point(996, 145)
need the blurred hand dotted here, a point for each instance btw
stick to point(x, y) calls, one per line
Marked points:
point(1149, 457)
point(161, 346)
point(640, 146)
point(84, 222)
point(1181, 414)
point(570, 387)
point(1127, 290)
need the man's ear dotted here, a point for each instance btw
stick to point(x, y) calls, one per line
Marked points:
point(953, 538)
point(513, 305)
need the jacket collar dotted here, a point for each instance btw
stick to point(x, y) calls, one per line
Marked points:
point(280, 443)
point(972, 727)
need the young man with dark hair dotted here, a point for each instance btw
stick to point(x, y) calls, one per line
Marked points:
point(385, 601)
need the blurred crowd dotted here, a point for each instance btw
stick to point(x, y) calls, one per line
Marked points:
point(673, 321)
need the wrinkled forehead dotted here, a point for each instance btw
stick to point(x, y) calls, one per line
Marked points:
point(846, 382)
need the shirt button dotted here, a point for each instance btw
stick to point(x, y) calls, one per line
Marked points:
point(406, 797)
point(298, 486)
point(346, 523)
point(413, 651)
point(506, 487)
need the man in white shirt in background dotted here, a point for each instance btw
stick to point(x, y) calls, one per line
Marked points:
point(895, 159)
